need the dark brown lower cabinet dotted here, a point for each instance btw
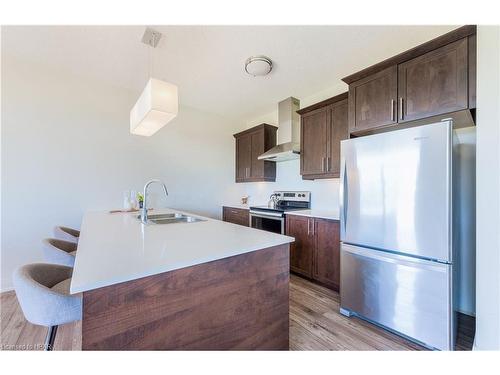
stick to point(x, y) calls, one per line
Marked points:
point(316, 250)
point(326, 254)
point(233, 215)
point(299, 227)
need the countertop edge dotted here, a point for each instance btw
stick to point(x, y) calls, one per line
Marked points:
point(316, 214)
point(238, 206)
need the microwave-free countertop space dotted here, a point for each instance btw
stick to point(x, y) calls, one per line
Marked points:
point(200, 285)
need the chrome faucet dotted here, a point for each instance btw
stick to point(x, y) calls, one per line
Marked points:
point(144, 211)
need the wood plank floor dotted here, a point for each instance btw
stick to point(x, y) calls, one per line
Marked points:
point(315, 324)
point(18, 334)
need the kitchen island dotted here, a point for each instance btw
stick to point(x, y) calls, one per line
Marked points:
point(206, 285)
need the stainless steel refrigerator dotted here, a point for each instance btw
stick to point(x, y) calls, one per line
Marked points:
point(396, 213)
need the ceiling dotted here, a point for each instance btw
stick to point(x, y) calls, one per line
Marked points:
point(207, 62)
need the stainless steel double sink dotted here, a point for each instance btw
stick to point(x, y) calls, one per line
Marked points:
point(170, 218)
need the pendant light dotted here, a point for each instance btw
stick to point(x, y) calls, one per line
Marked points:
point(158, 103)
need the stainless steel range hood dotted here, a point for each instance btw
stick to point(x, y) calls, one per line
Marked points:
point(288, 147)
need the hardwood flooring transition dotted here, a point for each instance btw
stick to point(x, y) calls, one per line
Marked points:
point(315, 324)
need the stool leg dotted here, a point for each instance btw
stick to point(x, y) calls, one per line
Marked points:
point(50, 338)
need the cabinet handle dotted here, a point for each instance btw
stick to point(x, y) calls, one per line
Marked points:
point(310, 228)
point(323, 164)
point(401, 116)
point(393, 107)
point(328, 164)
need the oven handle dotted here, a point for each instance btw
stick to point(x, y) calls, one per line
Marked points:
point(266, 215)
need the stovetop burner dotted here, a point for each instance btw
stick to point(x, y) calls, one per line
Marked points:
point(288, 201)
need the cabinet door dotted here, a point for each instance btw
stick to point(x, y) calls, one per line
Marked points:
point(313, 140)
point(338, 130)
point(256, 165)
point(326, 257)
point(372, 100)
point(236, 216)
point(300, 227)
point(434, 83)
point(243, 157)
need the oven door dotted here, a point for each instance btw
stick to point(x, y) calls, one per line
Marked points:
point(271, 222)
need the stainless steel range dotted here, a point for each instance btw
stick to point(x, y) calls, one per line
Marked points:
point(272, 217)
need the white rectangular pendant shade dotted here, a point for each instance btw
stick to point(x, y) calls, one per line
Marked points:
point(157, 105)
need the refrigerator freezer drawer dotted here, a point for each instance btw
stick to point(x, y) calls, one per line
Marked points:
point(408, 295)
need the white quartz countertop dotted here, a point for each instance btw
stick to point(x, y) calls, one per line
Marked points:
point(236, 205)
point(115, 248)
point(322, 214)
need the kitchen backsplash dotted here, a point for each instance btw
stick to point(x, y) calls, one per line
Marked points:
point(324, 193)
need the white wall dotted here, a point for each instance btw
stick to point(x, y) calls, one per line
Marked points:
point(324, 193)
point(488, 189)
point(464, 209)
point(66, 149)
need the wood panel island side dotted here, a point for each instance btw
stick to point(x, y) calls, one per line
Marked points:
point(207, 285)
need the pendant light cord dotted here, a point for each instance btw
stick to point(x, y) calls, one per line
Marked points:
point(152, 46)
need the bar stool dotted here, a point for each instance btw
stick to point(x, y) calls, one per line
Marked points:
point(66, 234)
point(59, 251)
point(43, 292)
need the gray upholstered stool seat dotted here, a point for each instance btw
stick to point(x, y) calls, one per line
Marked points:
point(66, 234)
point(43, 293)
point(59, 251)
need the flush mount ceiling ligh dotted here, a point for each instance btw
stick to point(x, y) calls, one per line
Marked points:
point(158, 103)
point(258, 65)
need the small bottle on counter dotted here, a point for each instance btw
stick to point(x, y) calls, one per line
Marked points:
point(126, 200)
point(133, 200)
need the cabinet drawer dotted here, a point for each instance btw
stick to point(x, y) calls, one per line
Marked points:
point(236, 216)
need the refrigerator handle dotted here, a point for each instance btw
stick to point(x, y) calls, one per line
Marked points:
point(343, 199)
point(395, 258)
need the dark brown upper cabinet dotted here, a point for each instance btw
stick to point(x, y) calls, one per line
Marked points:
point(313, 148)
point(243, 156)
point(322, 127)
point(433, 83)
point(432, 79)
point(338, 131)
point(372, 100)
point(249, 145)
